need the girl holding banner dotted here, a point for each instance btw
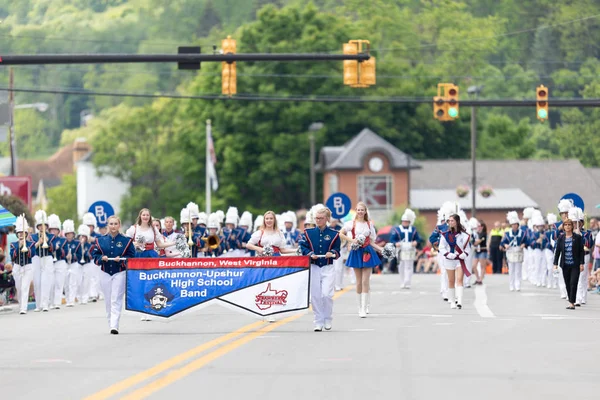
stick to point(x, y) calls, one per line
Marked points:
point(146, 237)
point(268, 237)
point(455, 247)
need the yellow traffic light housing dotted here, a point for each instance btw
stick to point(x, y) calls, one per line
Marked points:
point(228, 70)
point(445, 104)
point(542, 103)
point(358, 74)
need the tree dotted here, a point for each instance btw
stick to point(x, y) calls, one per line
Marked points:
point(209, 19)
point(62, 199)
point(17, 207)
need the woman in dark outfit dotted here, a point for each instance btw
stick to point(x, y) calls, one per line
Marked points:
point(569, 249)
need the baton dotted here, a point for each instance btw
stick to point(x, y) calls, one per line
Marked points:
point(320, 255)
point(113, 259)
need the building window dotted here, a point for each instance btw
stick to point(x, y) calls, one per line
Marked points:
point(376, 191)
point(333, 183)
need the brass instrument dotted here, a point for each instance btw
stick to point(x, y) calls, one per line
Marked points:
point(82, 241)
point(69, 256)
point(212, 242)
point(190, 241)
point(45, 241)
point(24, 249)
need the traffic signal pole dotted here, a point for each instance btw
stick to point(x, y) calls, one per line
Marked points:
point(44, 59)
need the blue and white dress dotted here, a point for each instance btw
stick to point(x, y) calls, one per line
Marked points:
point(145, 240)
point(366, 256)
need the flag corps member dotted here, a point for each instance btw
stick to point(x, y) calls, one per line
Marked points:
point(111, 253)
point(322, 245)
point(455, 247)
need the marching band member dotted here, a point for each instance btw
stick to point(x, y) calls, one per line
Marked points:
point(218, 248)
point(83, 257)
point(146, 237)
point(552, 281)
point(193, 237)
point(338, 263)
point(455, 246)
point(292, 235)
point(231, 232)
point(564, 205)
point(582, 285)
point(322, 245)
point(406, 239)
point(527, 252)
point(111, 253)
point(194, 216)
point(245, 233)
point(169, 234)
point(442, 215)
point(309, 220)
point(89, 219)
point(43, 264)
point(514, 242)
point(74, 269)
point(469, 260)
point(22, 253)
point(268, 235)
point(60, 265)
point(202, 222)
point(569, 254)
point(537, 244)
point(360, 232)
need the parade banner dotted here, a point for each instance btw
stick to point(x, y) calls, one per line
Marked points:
point(164, 287)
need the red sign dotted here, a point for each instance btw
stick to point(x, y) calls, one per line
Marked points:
point(19, 186)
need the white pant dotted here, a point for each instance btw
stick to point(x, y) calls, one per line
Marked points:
point(338, 265)
point(582, 285)
point(23, 277)
point(539, 262)
point(87, 271)
point(74, 280)
point(526, 264)
point(46, 268)
point(60, 274)
point(514, 275)
point(37, 281)
point(551, 280)
point(321, 292)
point(405, 270)
point(113, 287)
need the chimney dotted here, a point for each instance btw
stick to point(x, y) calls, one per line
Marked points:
point(80, 149)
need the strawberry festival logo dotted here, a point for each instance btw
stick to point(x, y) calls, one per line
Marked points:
point(271, 297)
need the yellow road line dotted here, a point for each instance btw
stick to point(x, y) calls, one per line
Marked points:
point(184, 371)
point(165, 365)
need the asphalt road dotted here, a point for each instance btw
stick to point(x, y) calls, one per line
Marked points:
point(412, 346)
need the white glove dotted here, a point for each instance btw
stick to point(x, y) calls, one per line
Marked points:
point(451, 256)
point(462, 256)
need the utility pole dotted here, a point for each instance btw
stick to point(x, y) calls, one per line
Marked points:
point(474, 90)
point(11, 124)
point(315, 126)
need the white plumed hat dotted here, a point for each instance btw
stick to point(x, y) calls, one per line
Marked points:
point(581, 214)
point(246, 219)
point(232, 216)
point(184, 216)
point(528, 212)
point(202, 218)
point(552, 218)
point(68, 226)
point(573, 214)
point(537, 220)
point(512, 217)
point(310, 218)
point(41, 217)
point(21, 224)
point(474, 223)
point(409, 215)
point(83, 230)
point(54, 222)
point(221, 215)
point(565, 205)
point(213, 221)
point(194, 210)
point(258, 222)
point(89, 219)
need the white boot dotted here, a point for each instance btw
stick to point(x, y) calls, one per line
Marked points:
point(451, 298)
point(368, 302)
point(363, 305)
point(459, 296)
point(358, 297)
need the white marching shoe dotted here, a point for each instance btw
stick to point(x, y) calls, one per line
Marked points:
point(362, 311)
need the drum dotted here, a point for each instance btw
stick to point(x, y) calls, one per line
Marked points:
point(407, 252)
point(514, 255)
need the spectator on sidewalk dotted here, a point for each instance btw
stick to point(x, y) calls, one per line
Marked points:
point(7, 282)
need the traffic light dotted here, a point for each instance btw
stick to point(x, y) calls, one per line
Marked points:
point(452, 96)
point(350, 66)
point(358, 74)
point(228, 71)
point(542, 103)
point(445, 104)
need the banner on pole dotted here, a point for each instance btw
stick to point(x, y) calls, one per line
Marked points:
point(164, 287)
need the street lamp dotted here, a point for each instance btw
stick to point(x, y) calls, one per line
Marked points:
point(474, 90)
point(41, 107)
point(315, 126)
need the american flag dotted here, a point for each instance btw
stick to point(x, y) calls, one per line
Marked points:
point(212, 173)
